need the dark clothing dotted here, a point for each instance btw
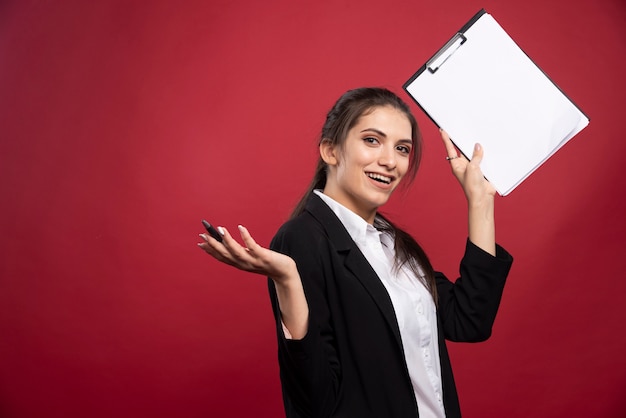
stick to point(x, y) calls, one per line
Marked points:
point(351, 362)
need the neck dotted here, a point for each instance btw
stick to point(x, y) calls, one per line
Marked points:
point(367, 214)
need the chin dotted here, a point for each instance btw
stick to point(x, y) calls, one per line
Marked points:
point(380, 201)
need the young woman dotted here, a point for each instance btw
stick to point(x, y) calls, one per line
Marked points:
point(361, 315)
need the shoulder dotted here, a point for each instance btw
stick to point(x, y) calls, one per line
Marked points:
point(312, 222)
point(316, 229)
point(304, 229)
point(313, 234)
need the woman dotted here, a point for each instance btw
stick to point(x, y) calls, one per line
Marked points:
point(361, 315)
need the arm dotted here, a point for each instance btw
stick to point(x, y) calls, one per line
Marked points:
point(309, 364)
point(279, 267)
point(468, 307)
point(480, 195)
point(309, 368)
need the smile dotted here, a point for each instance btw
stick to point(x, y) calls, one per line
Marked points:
point(380, 178)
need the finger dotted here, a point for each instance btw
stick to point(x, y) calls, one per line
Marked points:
point(247, 238)
point(215, 250)
point(207, 241)
point(477, 155)
point(236, 251)
point(450, 148)
point(207, 245)
point(229, 243)
point(227, 239)
point(220, 250)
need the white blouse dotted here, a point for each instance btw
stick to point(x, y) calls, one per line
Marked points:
point(413, 304)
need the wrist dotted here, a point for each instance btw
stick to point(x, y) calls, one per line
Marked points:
point(287, 278)
point(480, 197)
point(482, 224)
point(481, 204)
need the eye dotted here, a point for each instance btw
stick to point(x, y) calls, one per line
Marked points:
point(370, 140)
point(404, 149)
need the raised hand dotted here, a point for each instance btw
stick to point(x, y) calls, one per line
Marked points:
point(479, 192)
point(468, 173)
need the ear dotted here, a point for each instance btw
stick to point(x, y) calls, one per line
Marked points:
point(328, 152)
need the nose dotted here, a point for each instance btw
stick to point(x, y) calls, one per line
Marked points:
point(387, 157)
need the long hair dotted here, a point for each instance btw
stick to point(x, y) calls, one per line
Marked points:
point(342, 117)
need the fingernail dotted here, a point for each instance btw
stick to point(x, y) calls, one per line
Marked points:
point(477, 147)
point(220, 230)
point(202, 236)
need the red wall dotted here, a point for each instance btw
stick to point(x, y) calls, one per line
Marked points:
point(123, 124)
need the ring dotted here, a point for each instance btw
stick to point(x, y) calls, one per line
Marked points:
point(452, 158)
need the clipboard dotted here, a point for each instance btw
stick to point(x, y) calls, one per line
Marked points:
point(481, 87)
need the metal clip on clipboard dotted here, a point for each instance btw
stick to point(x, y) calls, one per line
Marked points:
point(446, 52)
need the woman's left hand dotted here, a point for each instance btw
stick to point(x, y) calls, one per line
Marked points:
point(468, 173)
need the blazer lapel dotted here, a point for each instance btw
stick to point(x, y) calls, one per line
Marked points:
point(355, 261)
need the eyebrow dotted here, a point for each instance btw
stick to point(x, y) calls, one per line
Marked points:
point(384, 135)
point(381, 133)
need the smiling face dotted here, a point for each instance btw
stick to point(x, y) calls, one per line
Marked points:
point(366, 169)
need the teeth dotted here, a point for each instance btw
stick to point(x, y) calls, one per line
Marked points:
point(379, 177)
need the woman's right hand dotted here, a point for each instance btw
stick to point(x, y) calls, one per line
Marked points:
point(279, 267)
point(252, 258)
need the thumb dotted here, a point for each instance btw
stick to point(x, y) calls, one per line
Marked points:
point(477, 156)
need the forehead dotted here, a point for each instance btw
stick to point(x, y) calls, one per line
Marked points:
point(389, 120)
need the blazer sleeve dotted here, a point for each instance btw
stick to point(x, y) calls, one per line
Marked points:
point(309, 368)
point(468, 307)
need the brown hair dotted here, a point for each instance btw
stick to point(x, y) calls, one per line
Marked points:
point(342, 117)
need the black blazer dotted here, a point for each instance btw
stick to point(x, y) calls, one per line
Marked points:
point(351, 361)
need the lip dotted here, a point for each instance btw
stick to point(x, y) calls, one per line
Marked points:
point(378, 183)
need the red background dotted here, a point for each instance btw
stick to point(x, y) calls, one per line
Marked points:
point(122, 124)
